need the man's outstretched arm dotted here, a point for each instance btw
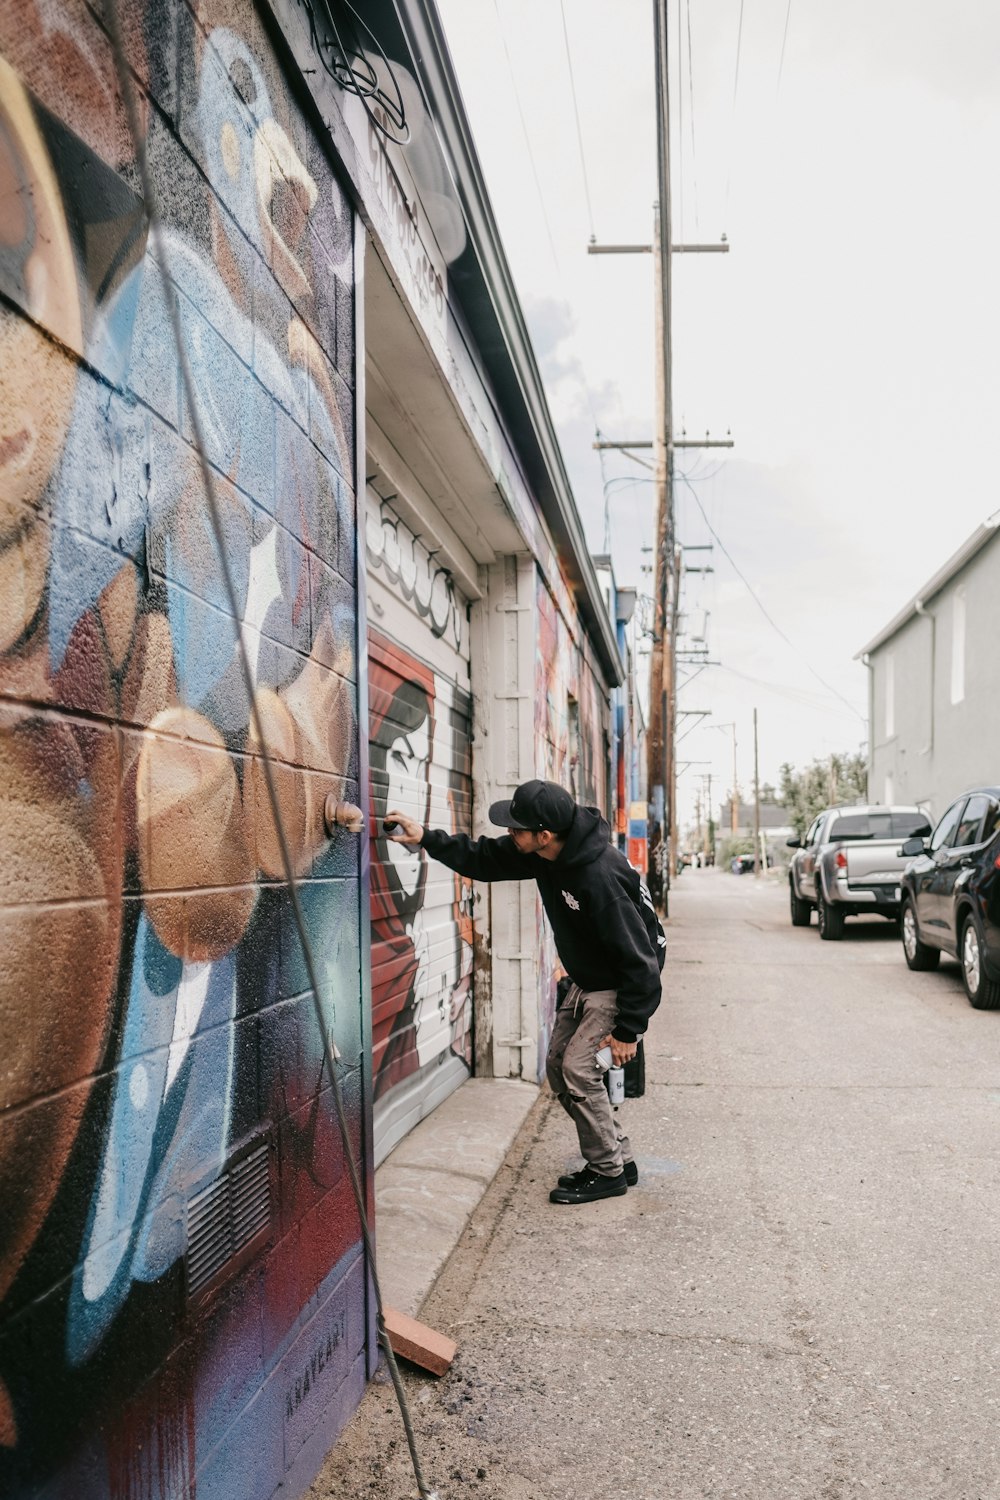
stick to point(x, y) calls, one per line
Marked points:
point(482, 859)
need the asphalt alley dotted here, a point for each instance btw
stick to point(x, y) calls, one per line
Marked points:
point(799, 1298)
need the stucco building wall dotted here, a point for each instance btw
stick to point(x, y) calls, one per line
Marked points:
point(935, 690)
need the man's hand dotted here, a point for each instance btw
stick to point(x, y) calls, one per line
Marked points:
point(407, 830)
point(621, 1052)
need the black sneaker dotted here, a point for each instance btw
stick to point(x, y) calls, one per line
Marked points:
point(570, 1179)
point(589, 1187)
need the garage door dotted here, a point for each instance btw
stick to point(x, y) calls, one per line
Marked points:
point(420, 735)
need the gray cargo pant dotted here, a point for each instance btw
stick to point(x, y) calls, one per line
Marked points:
point(585, 1017)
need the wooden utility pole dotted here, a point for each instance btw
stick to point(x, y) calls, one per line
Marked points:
point(660, 739)
point(734, 817)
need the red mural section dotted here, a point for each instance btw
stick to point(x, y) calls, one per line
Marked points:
point(570, 721)
point(182, 1300)
point(421, 922)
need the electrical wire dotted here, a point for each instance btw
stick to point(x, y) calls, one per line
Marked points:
point(680, 129)
point(626, 479)
point(703, 477)
point(694, 149)
point(756, 599)
point(784, 39)
point(527, 138)
point(218, 533)
point(795, 695)
point(576, 112)
point(732, 127)
point(541, 197)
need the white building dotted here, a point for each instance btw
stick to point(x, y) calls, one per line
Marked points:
point(934, 683)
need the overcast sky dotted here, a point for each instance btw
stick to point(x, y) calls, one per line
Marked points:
point(850, 340)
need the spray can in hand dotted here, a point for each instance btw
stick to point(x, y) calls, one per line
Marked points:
point(615, 1080)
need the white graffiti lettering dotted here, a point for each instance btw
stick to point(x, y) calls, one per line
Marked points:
point(406, 563)
point(428, 280)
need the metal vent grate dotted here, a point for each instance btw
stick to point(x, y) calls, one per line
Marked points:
point(224, 1218)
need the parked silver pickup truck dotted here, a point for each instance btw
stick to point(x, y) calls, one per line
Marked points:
point(850, 863)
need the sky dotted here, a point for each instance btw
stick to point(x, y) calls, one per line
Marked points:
point(849, 341)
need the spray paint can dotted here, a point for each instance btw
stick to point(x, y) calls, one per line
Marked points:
point(615, 1080)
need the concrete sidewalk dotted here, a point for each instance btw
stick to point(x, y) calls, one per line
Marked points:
point(427, 1188)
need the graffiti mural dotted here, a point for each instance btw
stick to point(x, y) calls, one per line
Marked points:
point(569, 714)
point(181, 1296)
point(410, 569)
point(421, 914)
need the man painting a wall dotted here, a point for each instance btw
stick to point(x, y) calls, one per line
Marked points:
point(609, 942)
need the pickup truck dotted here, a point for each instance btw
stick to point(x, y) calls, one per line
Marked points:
point(850, 863)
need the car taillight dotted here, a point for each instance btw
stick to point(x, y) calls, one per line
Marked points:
point(841, 860)
point(996, 863)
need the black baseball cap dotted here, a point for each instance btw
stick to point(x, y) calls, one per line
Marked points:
point(536, 805)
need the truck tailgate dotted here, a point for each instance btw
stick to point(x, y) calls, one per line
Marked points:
point(874, 862)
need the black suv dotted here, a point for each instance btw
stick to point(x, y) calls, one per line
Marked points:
point(951, 895)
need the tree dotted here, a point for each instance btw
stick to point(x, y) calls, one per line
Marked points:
point(729, 847)
point(839, 778)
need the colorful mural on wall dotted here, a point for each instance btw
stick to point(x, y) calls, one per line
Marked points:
point(421, 914)
point(572, 748)
point(182, 1301)
point(570, 727)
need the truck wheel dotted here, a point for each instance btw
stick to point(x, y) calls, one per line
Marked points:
point(983, 992)
point(831, 922)
point(917, 954)
point(801, 910)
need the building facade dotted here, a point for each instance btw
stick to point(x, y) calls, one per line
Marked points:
point(933, 685)
point(627, 784)
point(282, 478)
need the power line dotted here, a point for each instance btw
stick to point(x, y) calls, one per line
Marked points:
point(694, 153)
point(527, 138)
point(541, 199)
point(784, 39)
point(625, 479)
point(815, 701)
point(680, 125)
point(576, 112)
point(754, 596)
point(732, 127)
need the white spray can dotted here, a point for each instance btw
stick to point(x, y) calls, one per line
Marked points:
point(616, 1076)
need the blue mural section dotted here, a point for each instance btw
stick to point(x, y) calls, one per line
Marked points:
point(182, 1295)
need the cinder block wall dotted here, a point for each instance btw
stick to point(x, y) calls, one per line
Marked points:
point(182, 1304)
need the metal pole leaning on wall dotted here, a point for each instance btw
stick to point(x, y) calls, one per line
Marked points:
point(312, 973)
point(662, 660)
point(756, 801)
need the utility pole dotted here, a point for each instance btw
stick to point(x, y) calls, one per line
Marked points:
point(668, 564)
point(756, 803)
point(668, 554)
point(734, 804)
point(663, 667)
point(734, 820)
point(709, 843)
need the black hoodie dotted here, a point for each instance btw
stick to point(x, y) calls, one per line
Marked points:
point(601, 913)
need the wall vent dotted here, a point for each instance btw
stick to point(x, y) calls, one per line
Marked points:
point(225, 1222)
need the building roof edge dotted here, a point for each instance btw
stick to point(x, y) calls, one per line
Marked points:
point(968, 550)
point(510, 357)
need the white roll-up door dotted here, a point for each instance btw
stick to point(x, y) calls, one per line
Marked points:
point(420, 735)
